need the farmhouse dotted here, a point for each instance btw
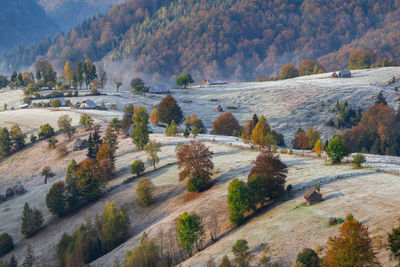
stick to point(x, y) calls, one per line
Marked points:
point(88, 104)
point(213, 82)
point(160, 90)
point(80, 144)
point(312, 196)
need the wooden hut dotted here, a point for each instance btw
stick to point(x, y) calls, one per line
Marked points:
point(312, 196)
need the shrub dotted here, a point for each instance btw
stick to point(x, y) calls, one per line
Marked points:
point(86, 120)
point(171, 129)
point(6, 243)
point(240, 249)
point(394, 242)
point(308, 257)
point(32, 221)
point(337, 149)
point(144, 191)
point(283, 150)
point(358, 159)
point(52, 141)
point(46, 131)
point(225, 124)
point(55, 103)
point(62, 150)
point(137, 167)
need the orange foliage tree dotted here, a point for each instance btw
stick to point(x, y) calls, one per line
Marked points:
point(154, 117)
point(302, 141)
point(352, 247)
point(289, 71)
point(106, 158)
point(272, 172)
point(195, 160)
point(226, 124)
point(91, 179)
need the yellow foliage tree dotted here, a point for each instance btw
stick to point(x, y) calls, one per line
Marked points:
point(318, 148)
point(259, 136)
point(154, 117)
point(68, 73)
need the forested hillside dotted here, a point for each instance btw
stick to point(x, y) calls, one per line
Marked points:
point(24, 22)
point(238, 39)
point(70, 13)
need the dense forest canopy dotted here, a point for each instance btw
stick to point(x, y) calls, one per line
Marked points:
point(230, 39)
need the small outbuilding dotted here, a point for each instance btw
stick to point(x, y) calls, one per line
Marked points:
point(80, 144)
point(213, 82)
point(344, 74)
point(88, 104)
point(9, 192)
point(312, 196)
point(219, 108)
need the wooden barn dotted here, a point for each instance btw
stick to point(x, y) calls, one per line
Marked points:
point(312, 196)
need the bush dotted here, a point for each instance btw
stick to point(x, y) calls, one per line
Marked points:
point(46, 131)
point(240, 249)
point(144, 191)
point(62, 150)
point(289, 71)
point(137, 167)
point(308, 257)
point(6, 243)
point(171, 129)
point(337, 149)
point(55, 103)
point(358, 159)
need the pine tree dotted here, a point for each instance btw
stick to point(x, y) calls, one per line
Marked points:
point(94, 144)
point(13, 261)
point(5, 142)
point(380, 99)
point(111, 138)
point(32, 221)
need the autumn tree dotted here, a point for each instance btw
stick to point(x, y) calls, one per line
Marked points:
point(106, 159)
point(140, 133)
point(313, 136)
point(337, 149)
point(146, 254)
point(90, 180)
point(190, 231)
point(195, 163)
point(272, 172)
point(152, 148)
point(144, 191)
point(289, 71)
point(302, 141)
point(89, 71)
point(238, 200)
point(225, 124)
point(318, 148)
point(261, 135)
point(361, 59)
point(68, 73)
point(110, 138)
point(154, 117)
point(248, 128)
point(114, 227)
point(169, 110)
point(352, 247)
point(32, 221)
point(184, 79)
point(64, 124)
point(309, 67)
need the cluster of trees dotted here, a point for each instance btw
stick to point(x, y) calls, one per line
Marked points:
point(194, 125)
point(347, 117)
point(258, 34)
point(11, 140)
point(307, 67)
point(266, 181)
point(90, 241)
point(85, 182)
point(306, 140)
point(377, 132)
point(258, 132)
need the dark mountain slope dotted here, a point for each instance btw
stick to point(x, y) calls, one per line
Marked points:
point(239, 39)
point(24, 22)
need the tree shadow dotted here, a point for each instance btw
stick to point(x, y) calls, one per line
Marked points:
point(332, 196)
